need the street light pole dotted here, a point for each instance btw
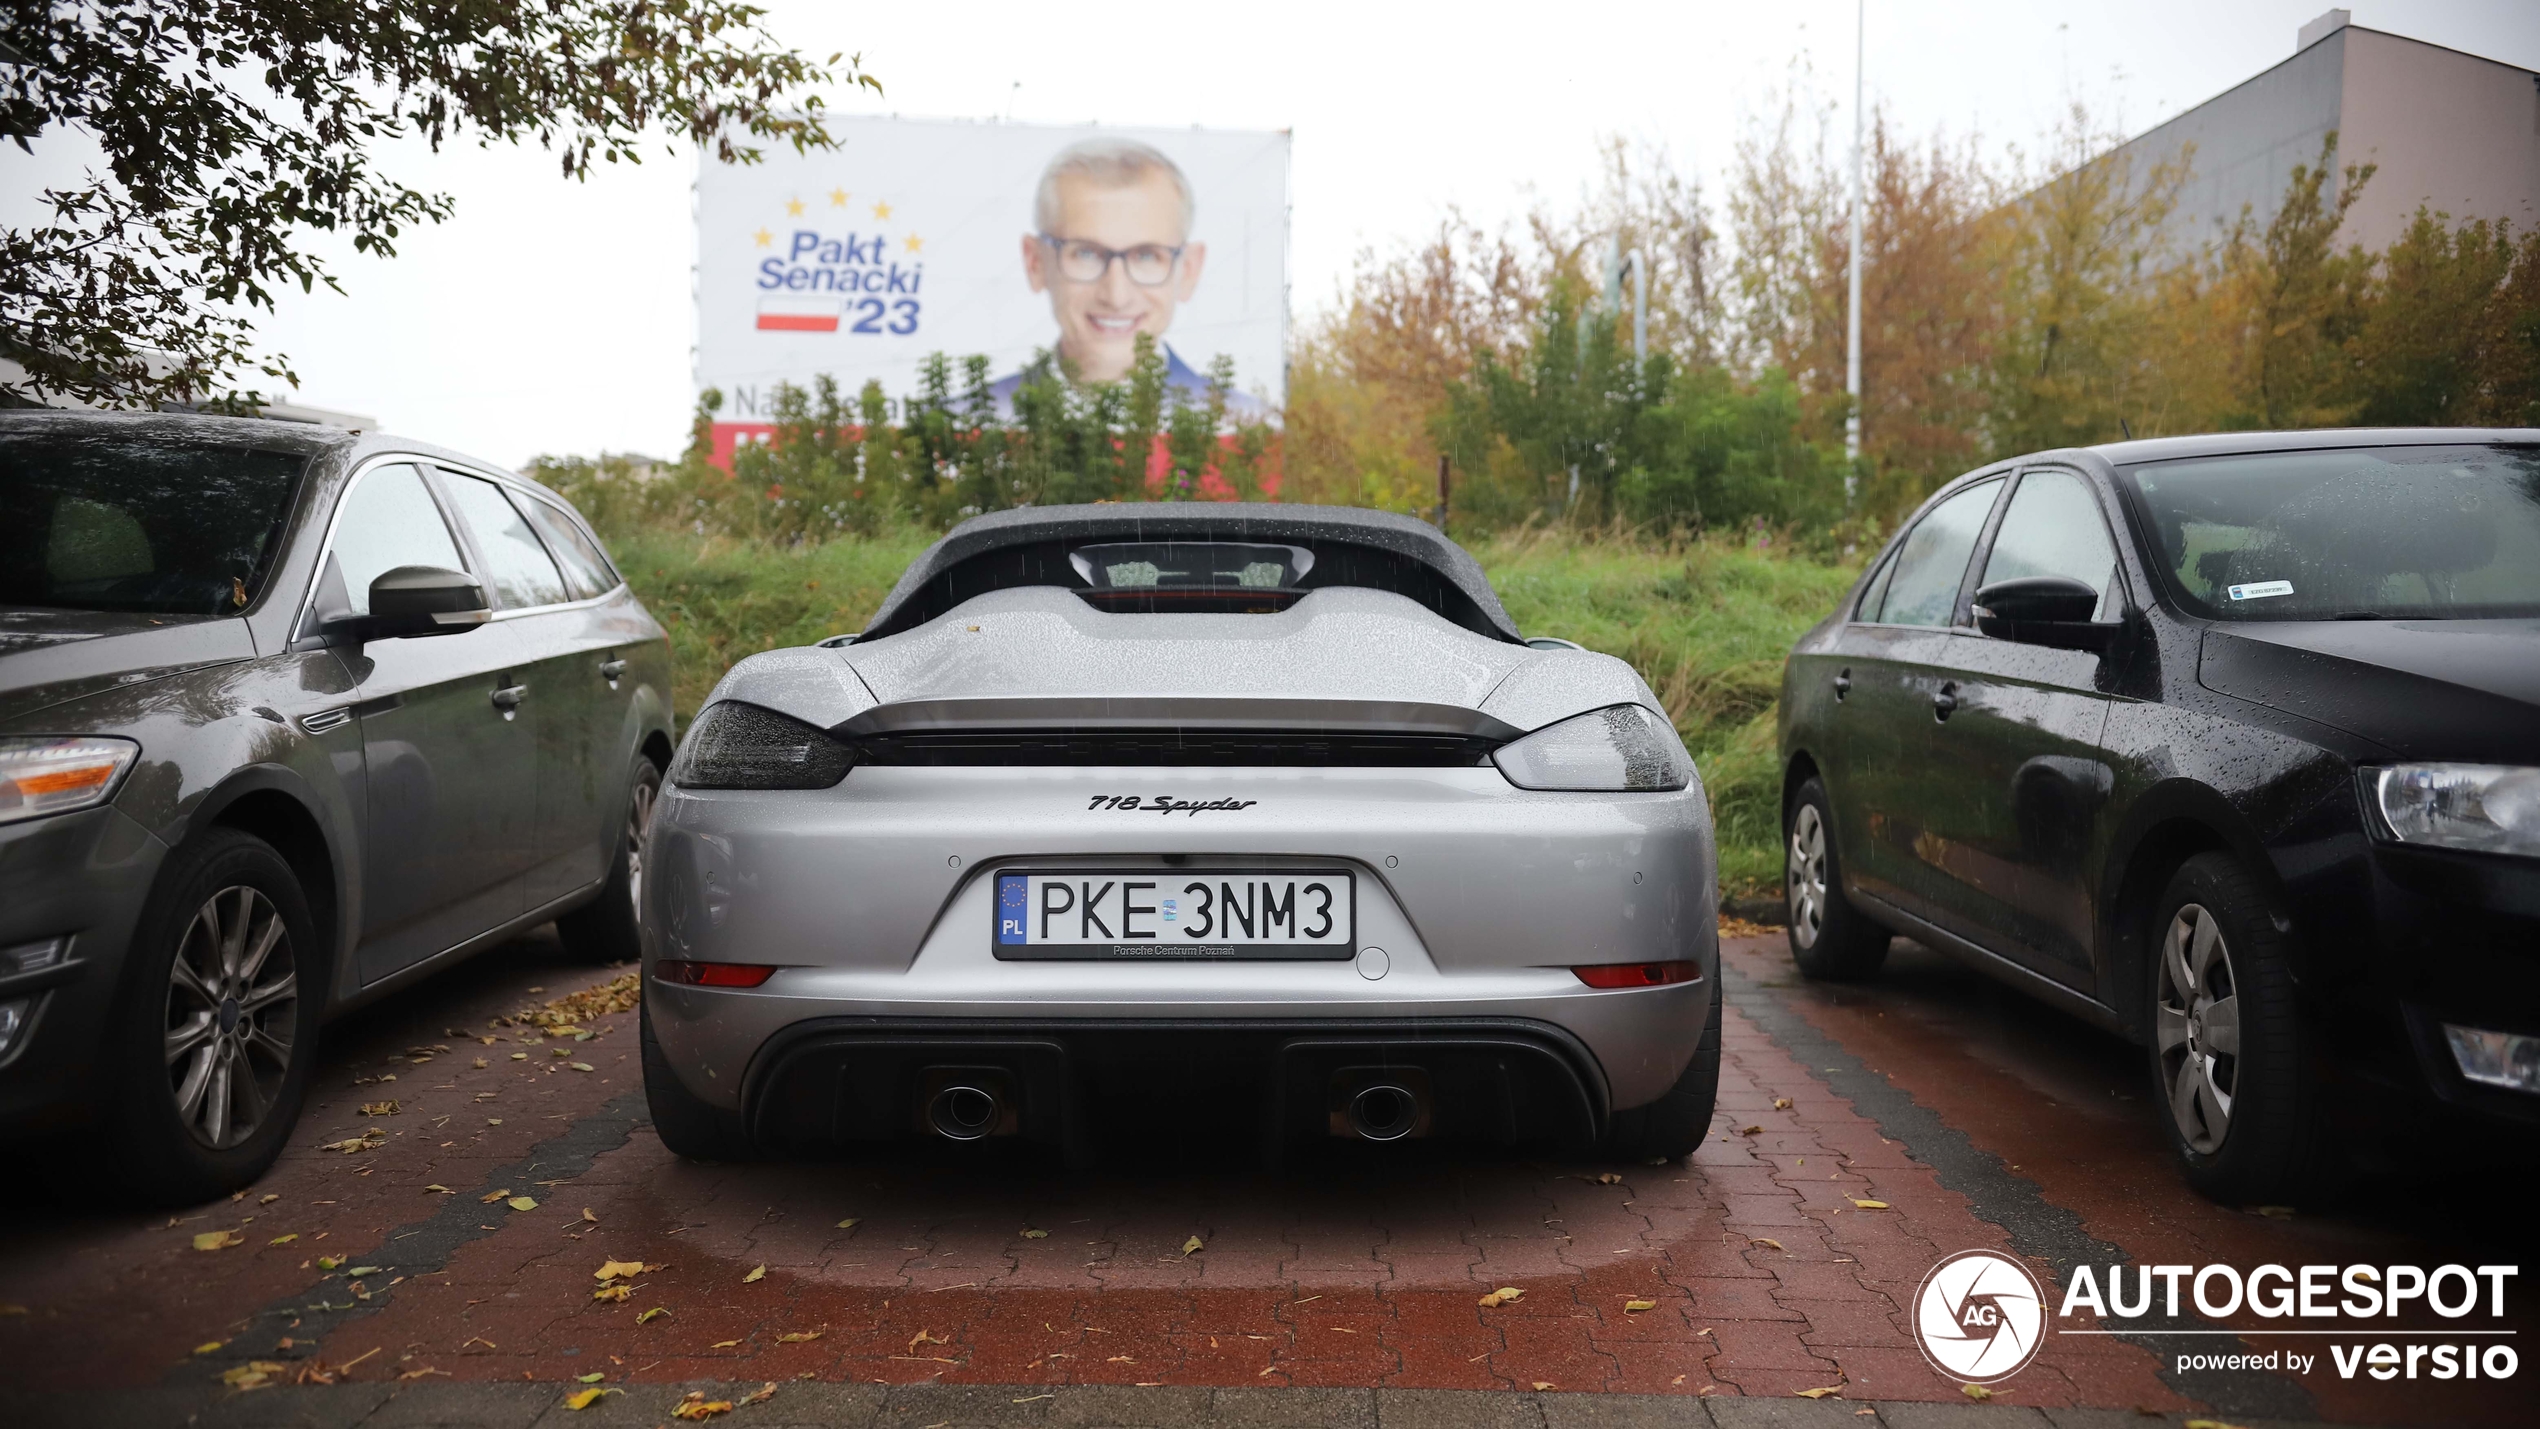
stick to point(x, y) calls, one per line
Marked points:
point(1852, 320)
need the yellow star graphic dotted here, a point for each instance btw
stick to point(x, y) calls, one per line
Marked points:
point(915, 243)
point(794, 206)
point(881, 210)
point(837, 198)
point(763, 237)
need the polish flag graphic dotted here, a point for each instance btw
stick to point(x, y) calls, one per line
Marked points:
point(789, 314)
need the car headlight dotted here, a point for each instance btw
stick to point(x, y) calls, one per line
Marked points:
point(738, 746)
point(2489, 808)
point(1616, 749)
point(40, 775)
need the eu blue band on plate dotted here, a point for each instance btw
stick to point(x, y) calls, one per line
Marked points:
point(1014, 894)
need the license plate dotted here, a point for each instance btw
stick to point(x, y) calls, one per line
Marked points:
point(1210, 914)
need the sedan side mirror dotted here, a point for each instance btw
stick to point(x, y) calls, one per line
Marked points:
point(2052, 611)
point(420, 600)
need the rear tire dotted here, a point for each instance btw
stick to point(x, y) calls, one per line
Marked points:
point(2230, 1054)
point(688, 1126)
point(217, 1029)
point(1671, 1127)
point(1830, 940)
point(604, 929)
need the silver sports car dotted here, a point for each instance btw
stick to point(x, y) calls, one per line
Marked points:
point(1267, 810)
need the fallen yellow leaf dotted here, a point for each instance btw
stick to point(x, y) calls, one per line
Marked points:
point(1036, 1235)
point(438, 1189)
point(1781, 1103)
point(1975, 1391)
point(618, 1270)
point(612, 1292)
point(1192, 1246)
point(725, 1344)
point(1764, 1240)
point(755, 1276)
point(379, 1108)
point(797, 1337)
point(1543, 1384)
point(1821, 1393)
point(586, 1215)
point(250, 1374)
point(208, 1346)
point(2275, 1213)
point(697, 1406)
point(1609, 1179)
point(520, 1056)
point(1750, 1131)
point(218, 1240)
point(594, 1377)
point(655, 1313)
point(522, 1203)
point(2210, 1424)
point(329, 1262)
point(1867, 1205)
point(581, 1066)
point(927, 1337)
point(760, 1395)
point(1634, 1307)
point(284, 1239)
point(268, 1198)
point(585, 1398)
point(1504, 1295)
point(848, 1224)
point(493, 1196)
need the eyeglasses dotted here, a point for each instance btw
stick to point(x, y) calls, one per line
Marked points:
point(1149, 265)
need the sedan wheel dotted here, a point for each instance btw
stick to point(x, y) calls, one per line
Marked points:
point(1806, 877)
point(639, 817)
point(233, 1010)
point(2196, 1027)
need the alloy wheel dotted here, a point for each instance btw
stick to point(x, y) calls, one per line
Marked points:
point(639, 818)
point(232, 1013)
point(1806, 877)
point(2196, 1027)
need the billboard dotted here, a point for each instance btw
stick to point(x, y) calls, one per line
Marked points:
point(1035, 246)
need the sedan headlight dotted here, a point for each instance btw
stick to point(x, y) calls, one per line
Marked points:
point(738, 746)
point(41, 775)
point(2489, 808)
point(1617, 749)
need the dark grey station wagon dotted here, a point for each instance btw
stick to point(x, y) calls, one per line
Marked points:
point(290, 717)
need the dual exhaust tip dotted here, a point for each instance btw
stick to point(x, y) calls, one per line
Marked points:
point(1381, 1110)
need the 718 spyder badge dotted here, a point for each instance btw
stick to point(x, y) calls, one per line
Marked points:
point(1167, 804)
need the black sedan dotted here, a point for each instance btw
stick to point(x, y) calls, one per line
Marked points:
point(289, 718)
point(2229, 744)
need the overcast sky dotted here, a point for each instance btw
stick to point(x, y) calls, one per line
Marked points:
point(555, 317)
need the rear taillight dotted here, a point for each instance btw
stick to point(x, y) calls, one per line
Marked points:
point(1639, 974)
point(689, 974)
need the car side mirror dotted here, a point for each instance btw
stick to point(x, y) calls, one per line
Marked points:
point(420, 600)
point(2053, 611)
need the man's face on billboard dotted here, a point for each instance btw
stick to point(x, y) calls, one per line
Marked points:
point(1100, 314)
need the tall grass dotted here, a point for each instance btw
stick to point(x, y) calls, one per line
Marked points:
point(1706, 621)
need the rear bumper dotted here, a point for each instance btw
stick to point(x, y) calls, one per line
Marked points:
point(875, 900)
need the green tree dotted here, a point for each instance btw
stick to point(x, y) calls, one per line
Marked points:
point(234, 130)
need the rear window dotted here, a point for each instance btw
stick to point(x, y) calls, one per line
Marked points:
point(118, 520)
point(2394, 533)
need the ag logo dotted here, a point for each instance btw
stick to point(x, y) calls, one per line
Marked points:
point(1980, 1316)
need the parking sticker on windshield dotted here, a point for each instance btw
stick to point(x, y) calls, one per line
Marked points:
point(2260, 590)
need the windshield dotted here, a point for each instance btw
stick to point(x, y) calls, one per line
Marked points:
point(2414, 533)
point(92, 519)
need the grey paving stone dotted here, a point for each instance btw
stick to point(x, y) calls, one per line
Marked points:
point(1292, 1409)
point(327, 1406)
point(426, 1405)
point(1914, 1414)
point(1116, 1406)
point(1628, 1411)
point(1457, 1409)
point(105, 1409)
point(807, 1403)
point(2111, 1419)
point(1786, 1413)
point(909, 1406)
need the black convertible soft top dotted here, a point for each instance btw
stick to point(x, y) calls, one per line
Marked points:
point(1029, 546)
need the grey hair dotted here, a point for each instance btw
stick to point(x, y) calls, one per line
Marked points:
point(1110, 162)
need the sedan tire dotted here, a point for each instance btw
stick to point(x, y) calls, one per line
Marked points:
point(218, 1025)
point(604, 929)
point(2228, 1057)
point(1830, 939)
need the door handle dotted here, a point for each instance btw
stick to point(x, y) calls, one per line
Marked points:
point(611, 669)
point(1842, 685)
point(1944, 701)
point(508, 698)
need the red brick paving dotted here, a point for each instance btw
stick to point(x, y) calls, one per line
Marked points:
point(1362, 1273)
